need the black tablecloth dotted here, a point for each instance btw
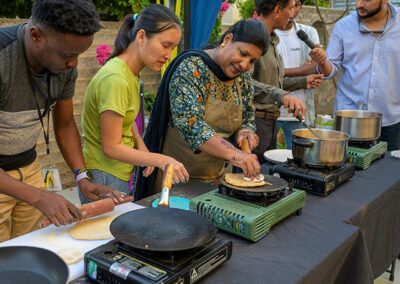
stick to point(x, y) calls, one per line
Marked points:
point(370, 201)
point(350, 236)
point(300, 249)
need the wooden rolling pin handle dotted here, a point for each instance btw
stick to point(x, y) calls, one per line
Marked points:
point(91, 209)
point(168, 175)
point(245, 146)
point(166, 185)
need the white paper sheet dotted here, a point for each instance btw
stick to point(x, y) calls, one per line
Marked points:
point(55, 239)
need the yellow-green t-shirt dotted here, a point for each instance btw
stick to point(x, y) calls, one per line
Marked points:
point(113, 88)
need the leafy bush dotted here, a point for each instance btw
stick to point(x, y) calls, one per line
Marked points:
point(149, 99)
point(109, 10)
point(246, 8)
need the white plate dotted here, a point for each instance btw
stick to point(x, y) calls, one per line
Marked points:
point(278, 155)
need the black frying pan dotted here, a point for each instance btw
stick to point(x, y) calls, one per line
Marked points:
point(21, 264)
point(163, 229)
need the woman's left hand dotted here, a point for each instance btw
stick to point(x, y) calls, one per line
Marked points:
point(250, 136)
point(148, 171)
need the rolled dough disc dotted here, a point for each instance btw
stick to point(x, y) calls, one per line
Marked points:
point(93, 229)
point(237, 180)
point(70, 255)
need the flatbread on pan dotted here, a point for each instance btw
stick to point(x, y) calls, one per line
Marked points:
point(237, 180)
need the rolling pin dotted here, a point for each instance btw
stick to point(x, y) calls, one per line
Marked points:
point(166, 185)
point(92, 209)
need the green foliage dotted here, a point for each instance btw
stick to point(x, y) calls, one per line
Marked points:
point(12, 9)
point(115, 10)
point(246, 8)
point(216, 32)
point(149, 99)
point(109, 10)
point(321, 3)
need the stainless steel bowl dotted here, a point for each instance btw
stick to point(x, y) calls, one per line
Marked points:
point(308, 149)
point(361, 125)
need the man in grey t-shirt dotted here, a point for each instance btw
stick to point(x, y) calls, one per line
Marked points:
point(37, 74)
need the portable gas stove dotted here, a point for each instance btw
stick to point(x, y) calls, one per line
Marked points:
point(249, 212)
point(320, 181)
point(363, 153)
point(115, 262)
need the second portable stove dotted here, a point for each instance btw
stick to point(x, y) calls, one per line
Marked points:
point(362, 153)
point(321, 181)
point(249, 212)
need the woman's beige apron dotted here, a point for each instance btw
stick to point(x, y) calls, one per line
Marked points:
point(224, 116)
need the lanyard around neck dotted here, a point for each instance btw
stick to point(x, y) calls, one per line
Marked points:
point(47, 103)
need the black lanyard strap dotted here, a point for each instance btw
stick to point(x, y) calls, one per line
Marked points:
point(32, 83)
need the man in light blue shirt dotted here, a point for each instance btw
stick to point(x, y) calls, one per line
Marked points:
point(366, 45)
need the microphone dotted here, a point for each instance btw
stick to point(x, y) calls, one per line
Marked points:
point(304, 37)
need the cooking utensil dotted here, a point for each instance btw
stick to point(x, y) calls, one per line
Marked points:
point(361, 125)
point(309, 128)
point(273, 183)
point(166, 185)
point(22, 264)
point(163, 229)
point(92, 209)
point(330, 151)
point(245, 146)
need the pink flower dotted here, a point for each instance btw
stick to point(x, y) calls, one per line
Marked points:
point(224, 7)
point(103, 51)
point(254, 15)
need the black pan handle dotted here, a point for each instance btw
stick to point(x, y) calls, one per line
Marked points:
point(303, 143)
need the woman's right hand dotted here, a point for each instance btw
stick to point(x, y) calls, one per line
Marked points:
point(180, 172)
point(248, 162)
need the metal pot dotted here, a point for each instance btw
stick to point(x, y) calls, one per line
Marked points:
point(308, 149)
point(361, 125)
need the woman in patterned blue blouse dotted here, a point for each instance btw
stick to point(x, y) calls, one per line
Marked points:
point(205, 98)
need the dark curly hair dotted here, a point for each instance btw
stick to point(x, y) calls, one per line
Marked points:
point(264, 7)
point(67, 16)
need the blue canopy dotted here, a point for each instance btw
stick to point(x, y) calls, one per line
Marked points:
point(203, 16)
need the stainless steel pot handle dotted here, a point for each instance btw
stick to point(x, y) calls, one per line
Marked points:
point(303, 143)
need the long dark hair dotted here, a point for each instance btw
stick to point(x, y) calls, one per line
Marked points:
point(153, 19)
point(250, 31)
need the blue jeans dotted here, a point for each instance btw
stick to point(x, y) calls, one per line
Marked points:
point(391, 134)
point(288, 127)
point(107, 179)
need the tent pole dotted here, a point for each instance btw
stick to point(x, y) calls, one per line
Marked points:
point(187, 25)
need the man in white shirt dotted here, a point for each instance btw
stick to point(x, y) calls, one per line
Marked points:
point(294, 53)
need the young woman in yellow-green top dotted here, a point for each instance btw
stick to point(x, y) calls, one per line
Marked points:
point(112, 144)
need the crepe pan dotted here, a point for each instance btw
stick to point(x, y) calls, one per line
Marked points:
point(163, 229)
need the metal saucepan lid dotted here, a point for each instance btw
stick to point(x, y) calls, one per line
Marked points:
point(163, 229)
point(20, 264)
point(273, 184)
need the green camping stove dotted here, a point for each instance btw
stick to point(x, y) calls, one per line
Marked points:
point(250, 217)
point(362, 155)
